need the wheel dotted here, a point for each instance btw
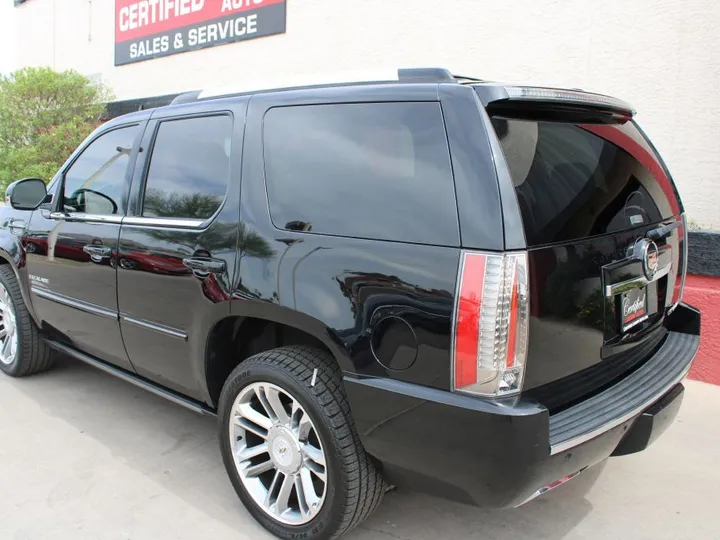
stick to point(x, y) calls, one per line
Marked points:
point(22, 350)
point(290, 446)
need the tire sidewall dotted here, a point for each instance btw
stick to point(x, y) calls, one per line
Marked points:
point(330, 516)
point(9, 281)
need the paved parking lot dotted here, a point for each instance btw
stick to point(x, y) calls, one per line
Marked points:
point(84, 456)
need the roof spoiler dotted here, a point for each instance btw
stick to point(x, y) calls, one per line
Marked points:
point(523, 94)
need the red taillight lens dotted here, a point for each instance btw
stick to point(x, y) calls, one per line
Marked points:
point(467, 321)
point(679, 287)
point(491, 324)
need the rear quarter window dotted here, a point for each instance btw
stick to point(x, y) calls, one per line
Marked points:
point(372, 170)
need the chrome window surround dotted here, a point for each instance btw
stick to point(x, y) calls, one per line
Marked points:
point(181, 223)
point(88, 218)
point(132, 221)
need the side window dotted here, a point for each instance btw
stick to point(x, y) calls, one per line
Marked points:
point(370, 170)
point(189, 168)
point(95, 183)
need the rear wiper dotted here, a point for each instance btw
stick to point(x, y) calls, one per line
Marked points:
point(662, 231)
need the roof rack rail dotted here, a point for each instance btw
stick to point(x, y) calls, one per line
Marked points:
point(402, 75)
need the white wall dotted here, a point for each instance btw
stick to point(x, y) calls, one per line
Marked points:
point(660, 55)
point(7, 38)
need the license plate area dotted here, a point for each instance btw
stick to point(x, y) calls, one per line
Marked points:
point(633, 307)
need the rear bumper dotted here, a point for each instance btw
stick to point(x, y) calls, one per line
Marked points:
point(498, 455)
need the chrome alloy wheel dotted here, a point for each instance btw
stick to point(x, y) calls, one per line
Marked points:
point(8, 328)
point(278, 453)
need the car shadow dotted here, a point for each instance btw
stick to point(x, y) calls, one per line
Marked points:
point(414, 516)
point(178, 450)
point(166, 443)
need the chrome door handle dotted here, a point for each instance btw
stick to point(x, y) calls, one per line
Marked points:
point(97, 251)
point(16, 226)
point(205, 265)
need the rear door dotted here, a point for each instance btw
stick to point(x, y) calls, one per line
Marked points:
point(603, 225)
point(176, 252)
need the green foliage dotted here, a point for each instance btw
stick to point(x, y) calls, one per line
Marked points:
point(44, 116)
point(195, 205)
point(694, 225)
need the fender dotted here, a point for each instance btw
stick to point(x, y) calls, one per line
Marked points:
point(242, 306)
point(12, 253)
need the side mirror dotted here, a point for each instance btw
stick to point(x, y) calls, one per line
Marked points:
point(26, 194)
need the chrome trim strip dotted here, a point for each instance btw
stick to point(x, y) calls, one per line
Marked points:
point(72, 302)
point(180, 223)
point(157, 327)
point(570, 443)
point(640, 281)
point(133, 221)
point(87, 218)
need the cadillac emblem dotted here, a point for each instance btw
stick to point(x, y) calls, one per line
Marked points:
point(650, 259)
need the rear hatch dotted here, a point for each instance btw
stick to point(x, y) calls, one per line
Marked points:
point(606, 242)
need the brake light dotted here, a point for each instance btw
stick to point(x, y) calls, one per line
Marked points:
point(679, 287)
point(533, 93)
point(491, 324)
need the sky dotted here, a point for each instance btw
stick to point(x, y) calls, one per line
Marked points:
point(7, 37)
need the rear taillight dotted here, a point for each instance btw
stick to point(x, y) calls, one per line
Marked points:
point(679, 286)
point(491, 324)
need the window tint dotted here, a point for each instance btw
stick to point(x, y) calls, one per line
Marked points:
point(189, 168)
point(95, 183)
point(574, 181)
point(379, 170)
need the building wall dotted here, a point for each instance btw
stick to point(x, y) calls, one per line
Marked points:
point(7, 37)
point(703, 292)
point(660, 55)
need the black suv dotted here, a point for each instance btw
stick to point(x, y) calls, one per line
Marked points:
point(422, 281)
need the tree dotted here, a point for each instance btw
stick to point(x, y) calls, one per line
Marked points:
point(221, 237)
point(191, 205)
point(44, 116)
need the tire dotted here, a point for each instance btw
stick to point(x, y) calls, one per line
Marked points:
point(32, 354)
point(353, 487)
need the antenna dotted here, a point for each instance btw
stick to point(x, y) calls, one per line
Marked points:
point(186, 97)
point(428, 75)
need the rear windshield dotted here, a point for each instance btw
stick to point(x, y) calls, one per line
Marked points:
point(578, 180)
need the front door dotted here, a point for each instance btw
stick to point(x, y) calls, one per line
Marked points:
point(72, 248)
point(177, 247)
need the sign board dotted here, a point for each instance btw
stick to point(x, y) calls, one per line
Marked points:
point(146, 29)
